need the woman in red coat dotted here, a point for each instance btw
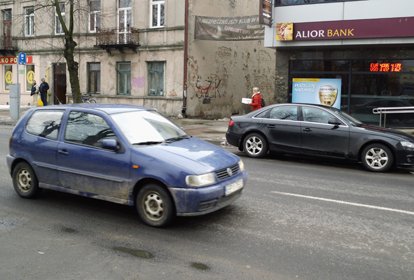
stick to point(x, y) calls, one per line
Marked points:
point(256, 99)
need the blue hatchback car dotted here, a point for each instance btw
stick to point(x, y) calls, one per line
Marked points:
point(124, 154)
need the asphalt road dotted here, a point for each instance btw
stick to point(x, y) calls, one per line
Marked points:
point(297, 219)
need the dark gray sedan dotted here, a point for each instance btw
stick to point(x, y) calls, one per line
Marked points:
point(321, 131)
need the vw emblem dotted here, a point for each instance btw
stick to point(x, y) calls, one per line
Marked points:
point(229, 171)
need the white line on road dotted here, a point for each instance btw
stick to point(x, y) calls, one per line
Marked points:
point(345, 202)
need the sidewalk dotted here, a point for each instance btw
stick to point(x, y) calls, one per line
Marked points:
point(213, 131)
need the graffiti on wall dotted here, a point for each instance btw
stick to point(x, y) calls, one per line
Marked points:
point(208, 88)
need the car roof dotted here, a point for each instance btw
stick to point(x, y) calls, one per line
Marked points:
point(106, 108)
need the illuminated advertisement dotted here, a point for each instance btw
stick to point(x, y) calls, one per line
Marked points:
point(317, 91)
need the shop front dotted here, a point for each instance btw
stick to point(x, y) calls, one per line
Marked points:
point(360, 53)
point(357, 85)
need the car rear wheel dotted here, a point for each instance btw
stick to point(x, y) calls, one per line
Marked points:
point(155, 206)
point(25, 181)
point(255, 145)
point(377, 157)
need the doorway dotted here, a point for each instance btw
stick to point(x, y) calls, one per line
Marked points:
point(59, 83)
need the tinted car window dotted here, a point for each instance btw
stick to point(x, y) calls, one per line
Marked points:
point(45, 124)
point(284, 113)
point(88, 129)
point(317, 115)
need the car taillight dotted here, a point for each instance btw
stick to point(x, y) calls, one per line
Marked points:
point(231, 123)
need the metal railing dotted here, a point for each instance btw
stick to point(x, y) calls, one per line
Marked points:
point(117, 37)
point(383, 111)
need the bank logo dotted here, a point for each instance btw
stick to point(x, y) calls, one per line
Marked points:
point(284, 31)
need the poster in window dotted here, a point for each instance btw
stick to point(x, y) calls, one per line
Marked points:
point(317, 91)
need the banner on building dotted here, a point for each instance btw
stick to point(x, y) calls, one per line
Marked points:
point(265, 12)
point(228, 28)
point(317, 91)
point(14, 59)
point(401, 27)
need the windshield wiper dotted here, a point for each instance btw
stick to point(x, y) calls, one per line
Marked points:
point(178, 138)
point(148, 143)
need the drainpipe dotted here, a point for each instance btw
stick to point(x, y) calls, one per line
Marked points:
point(184, 108)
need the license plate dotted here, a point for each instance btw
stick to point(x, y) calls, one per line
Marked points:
point(233, 187)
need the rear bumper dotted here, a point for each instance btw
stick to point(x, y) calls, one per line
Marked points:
point(9, 161)
point(233, 139)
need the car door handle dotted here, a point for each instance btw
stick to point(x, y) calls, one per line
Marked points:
point(307, 129)
point(63, 152)
point(271, 126)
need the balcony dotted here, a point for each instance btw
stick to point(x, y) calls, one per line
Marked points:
point(116, 39)
point(8, 46)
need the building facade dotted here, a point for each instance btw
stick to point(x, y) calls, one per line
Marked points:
point(144, 52)
point(226, 57)
point(365, 49)
point(128, 51)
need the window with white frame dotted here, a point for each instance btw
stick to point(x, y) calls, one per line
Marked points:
point(94, 15)
point(58, 25)
point(123, 70)
point(29, 21)
point(124, 20)
point(156, 70)
point(157, 13)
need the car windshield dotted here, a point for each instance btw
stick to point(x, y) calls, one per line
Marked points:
point(147, 128)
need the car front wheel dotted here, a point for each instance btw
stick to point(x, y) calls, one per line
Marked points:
point(377, 157)
point(155, 206)
point(255, 145)
point(25, 181)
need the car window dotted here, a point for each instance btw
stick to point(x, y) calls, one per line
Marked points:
point(317, 115)
point(284, 113)
point(147, 126)
point(45, 123)
point(88, 129)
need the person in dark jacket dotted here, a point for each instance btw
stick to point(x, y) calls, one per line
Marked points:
point(43, 88)
point(34, 93)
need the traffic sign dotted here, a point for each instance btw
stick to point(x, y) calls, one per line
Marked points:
point(22, 58)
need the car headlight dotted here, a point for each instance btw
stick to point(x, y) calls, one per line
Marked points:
point(241, 165)
point(407, 145)
point(200, 180)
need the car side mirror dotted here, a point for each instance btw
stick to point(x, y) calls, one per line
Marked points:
point(110, 144)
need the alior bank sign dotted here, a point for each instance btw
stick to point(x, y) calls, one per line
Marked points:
point(346, 29)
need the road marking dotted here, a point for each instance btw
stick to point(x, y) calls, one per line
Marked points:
point(345, 202)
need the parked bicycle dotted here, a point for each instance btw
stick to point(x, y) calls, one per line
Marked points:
point(87, 98)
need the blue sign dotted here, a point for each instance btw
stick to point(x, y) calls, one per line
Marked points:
point(317, 91)
point(22, 58)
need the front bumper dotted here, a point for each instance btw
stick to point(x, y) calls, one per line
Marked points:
point(200, 201)
point(404, 157)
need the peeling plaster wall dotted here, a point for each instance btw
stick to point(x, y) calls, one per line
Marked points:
point(221, 73)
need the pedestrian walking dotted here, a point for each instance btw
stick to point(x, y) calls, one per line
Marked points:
point(43, 88)
point(257, 99)
point(34, 92)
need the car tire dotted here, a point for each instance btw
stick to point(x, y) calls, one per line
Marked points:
point(155, 206)
point(255, 145)
point(377, 158)
point(25, 182)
